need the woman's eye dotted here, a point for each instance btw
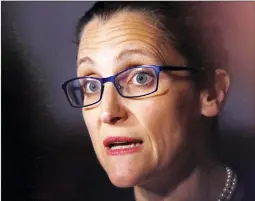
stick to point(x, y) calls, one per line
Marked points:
point(142, 78)
point(92, 87)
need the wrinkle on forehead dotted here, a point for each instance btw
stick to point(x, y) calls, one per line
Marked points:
point(128, 17)
point(124, 29)
point(119, 26)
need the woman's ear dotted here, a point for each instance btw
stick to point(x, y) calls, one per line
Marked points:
point(212, 100)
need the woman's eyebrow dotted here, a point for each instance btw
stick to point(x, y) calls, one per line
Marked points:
point(119, 57)
point(87, 60)
point(130, 52)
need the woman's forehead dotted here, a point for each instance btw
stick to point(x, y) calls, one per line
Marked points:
point(117, 29)
point(125, 30)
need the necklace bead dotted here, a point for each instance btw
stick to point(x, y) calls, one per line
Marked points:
point(230, 184)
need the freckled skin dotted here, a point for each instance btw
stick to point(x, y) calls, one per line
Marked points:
point(165, 121)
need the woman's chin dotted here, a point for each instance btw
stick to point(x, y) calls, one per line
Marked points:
point(123, 181)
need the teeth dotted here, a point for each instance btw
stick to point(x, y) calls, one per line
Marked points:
point(126, 146)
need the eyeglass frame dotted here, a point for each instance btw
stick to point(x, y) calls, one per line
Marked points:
point(157, 69)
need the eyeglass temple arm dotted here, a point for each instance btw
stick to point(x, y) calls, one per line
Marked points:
point(176, 68)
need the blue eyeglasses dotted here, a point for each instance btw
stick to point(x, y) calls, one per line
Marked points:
point(133, 82)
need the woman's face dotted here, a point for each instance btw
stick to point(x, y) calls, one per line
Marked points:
point(159, 125)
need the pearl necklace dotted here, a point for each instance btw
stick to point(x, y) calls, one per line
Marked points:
point(230, 184)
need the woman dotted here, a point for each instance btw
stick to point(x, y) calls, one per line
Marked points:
point(150, 97)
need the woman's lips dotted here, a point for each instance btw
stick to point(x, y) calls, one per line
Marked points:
point(122, 145)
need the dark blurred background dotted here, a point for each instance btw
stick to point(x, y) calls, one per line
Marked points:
point(46, 151)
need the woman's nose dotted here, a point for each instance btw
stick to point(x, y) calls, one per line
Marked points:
point(112, 111)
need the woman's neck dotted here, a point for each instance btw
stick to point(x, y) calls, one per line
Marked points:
point(205, 182)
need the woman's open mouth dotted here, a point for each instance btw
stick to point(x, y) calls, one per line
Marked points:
point(122, 145)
